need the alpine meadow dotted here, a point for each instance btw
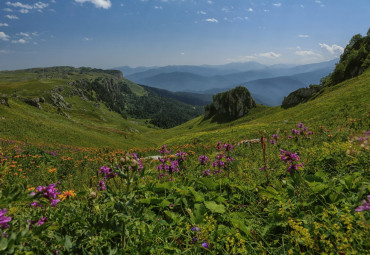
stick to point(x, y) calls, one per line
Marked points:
point(246, 157)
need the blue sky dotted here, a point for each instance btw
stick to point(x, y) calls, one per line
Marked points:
point(110, 33)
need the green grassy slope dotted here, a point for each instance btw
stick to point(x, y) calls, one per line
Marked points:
point(350, 98)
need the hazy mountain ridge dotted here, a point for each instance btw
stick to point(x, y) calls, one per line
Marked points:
point(198, 79)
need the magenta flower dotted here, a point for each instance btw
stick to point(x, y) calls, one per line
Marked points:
point(365, 205)
point(101, 185)
point(275, 136)
point(291, 159)
point(300, 125)
point(164, 150)
point(272, 141)
point(206, 172)
point(3, 219)
point(181, 156)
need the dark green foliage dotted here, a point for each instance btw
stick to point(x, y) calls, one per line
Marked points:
point(299, 96)
point(230, 105)
point(354, 60)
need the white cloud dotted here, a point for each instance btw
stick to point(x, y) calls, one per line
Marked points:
point(201, 12)
point(277, 4)
point(87, 39)
point(266, 10)
point(19, 5)
point(22, 41)
point(210, 2)
point(11, 17)
point(8, 10)
point(250, 10)
point(332, 49)
point(182, 53)
point(304, 53)
point(303, 36)
point(158, 7)
point(270, 54)
point(105, 4)
point(4, 36)
point(4, 24)
point(242, 59)
point(24, 11)
point(212, 20)
point(40, 5)
point(25, 34)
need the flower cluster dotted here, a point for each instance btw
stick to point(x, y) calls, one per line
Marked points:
point(107, 173)
point(365, 205)
point(49, 192)
point(203, 159)
point(302, 130)
point(4, 219)
point(168, 166)
point(291, 159)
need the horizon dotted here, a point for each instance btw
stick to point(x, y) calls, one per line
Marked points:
point(154, 33)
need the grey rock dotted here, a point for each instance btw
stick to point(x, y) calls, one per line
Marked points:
point(231, 105)
point(33, 102)
point(4, 101)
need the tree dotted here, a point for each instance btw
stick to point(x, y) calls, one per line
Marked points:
point(355, 39)
point(368, 32)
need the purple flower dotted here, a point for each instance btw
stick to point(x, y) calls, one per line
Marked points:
point(300, 125)
point(205, 245)
point(105, 170)
point(203, 159)
point(35, 204)
point(3, 219)
point(181, 156)
point(54, 202)
point(42, 220)
point(365, 205)
point(275, 136)
point(228, 147)
point(195, 229)
point(194, 240)
point(291, 159)
point(164, 150)
point(309, 133)
point(295, 132)
point(273, 141)
point(206, 172)
point(219, 146)
point(101, 185)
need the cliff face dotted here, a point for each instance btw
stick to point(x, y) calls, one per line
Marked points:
point(230, 105)
point(299, 96)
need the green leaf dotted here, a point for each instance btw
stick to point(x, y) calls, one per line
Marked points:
point(3, 244)
point(215, 208)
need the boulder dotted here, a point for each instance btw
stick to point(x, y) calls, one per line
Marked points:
point(33, 102)
point(4, 101)
point(230, 105)
point(299, 96)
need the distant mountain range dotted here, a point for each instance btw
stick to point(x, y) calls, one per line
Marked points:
point(268, 84)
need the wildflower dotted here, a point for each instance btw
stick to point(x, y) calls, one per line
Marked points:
point(272, 141)
point(42, 220)
point(67, 194)
point(206, 172)
point(365, 206)
point(35, 204)
point(101, 185)
point(219, 146)
point(195, 229)
point(181, 156)
point(3, 219)
point(228, 147)
point(203, 159)
point(300, 125)
point(194, 240)
point(275, 136)
point(171, 205)
point(164, 150)
point(291, 159)
point(205, 245)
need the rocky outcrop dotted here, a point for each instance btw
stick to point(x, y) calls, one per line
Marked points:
point(57, 100)
point(230, 105)
point(4, 101)
point(299, 96)
point(35, 102)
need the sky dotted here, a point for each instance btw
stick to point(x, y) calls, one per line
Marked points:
point(112, 33)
